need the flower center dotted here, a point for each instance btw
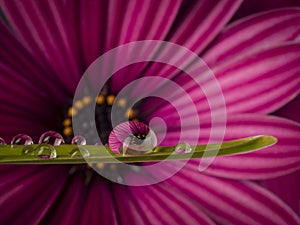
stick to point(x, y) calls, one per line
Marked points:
point(103, 107)
point(102, 120)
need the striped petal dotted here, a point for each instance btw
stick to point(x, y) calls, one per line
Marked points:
point(262, 82)
point(101, 26)
point(199, 23)
point(157, 204)
point(254, 34)
point(279, 159)
point(41, 28)
point(287, 188)
point(249, 7)
point(20, 76)
point(194, 28)
point(259, 83)
point(99, 205)
point(231, 202)
point(25, 185)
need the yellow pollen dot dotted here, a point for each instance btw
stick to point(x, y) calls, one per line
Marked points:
point(100, 165)
point(100, 99)
point(113, 166)
point(67, 122)
point(122, 102)
point(129, 113)
point(79, 104)
point(68, 131)
point(110, 99)
point(87, 100)
point(72, 112)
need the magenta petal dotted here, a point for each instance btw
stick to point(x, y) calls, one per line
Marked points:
point(287, 188)
point(199, 23)
point(100, 205)
point(25, 185)
point(42, 29)
point(196, 25)
point(159, 205)
point(63, 212)
point(261, 82)
point(133, 24)
point(279, 159)
point(249, 7)
point(232, 202)
point(254, 34)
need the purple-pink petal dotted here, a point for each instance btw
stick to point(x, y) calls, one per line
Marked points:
point(231, 202)
point(41, 28)
point(279, 159)
point(287, 188)
point(158, 204)
point(100, 206)
point(34, 198)
point(268, 80)
point(199, 23)
point(254, 34)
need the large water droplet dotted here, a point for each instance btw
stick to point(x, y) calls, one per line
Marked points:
point(21, 139)
point(182, 148)
point(78, 140)
point(79, 153)
point(2, 142)
point(46, 152)
point(52, 138)
point(133, 138)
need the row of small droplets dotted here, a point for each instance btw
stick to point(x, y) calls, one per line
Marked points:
point(45, 149)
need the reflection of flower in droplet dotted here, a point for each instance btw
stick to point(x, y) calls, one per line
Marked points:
point(52, 44)
point(132, 138)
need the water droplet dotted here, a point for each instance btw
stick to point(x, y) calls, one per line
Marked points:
point(79, 153)
point(133, 138)
point(182, 148)
point(2, 142)
point(21, 139)
point(28, 150)
point(52, 138)
point(134, 145)
point(78, 140)
point(45, 151)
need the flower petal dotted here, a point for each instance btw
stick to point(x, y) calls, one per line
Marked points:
point(198, 24)
point(100, 205)
point(231, 202)
point(262, 82)
point(194, 28)
point(23, 86)
point(249, 7)
point(41, 28)
point(254, 34)
point(259, 83)
point(120, 23)
point(23, 185)
point(287, 188)
point(157, 204)
point(279, 159)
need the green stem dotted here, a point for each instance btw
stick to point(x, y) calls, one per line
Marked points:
point(14, 155)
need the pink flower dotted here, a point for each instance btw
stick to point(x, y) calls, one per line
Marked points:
point(46, 47)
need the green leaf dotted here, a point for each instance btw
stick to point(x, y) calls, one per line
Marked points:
point(15, 154)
